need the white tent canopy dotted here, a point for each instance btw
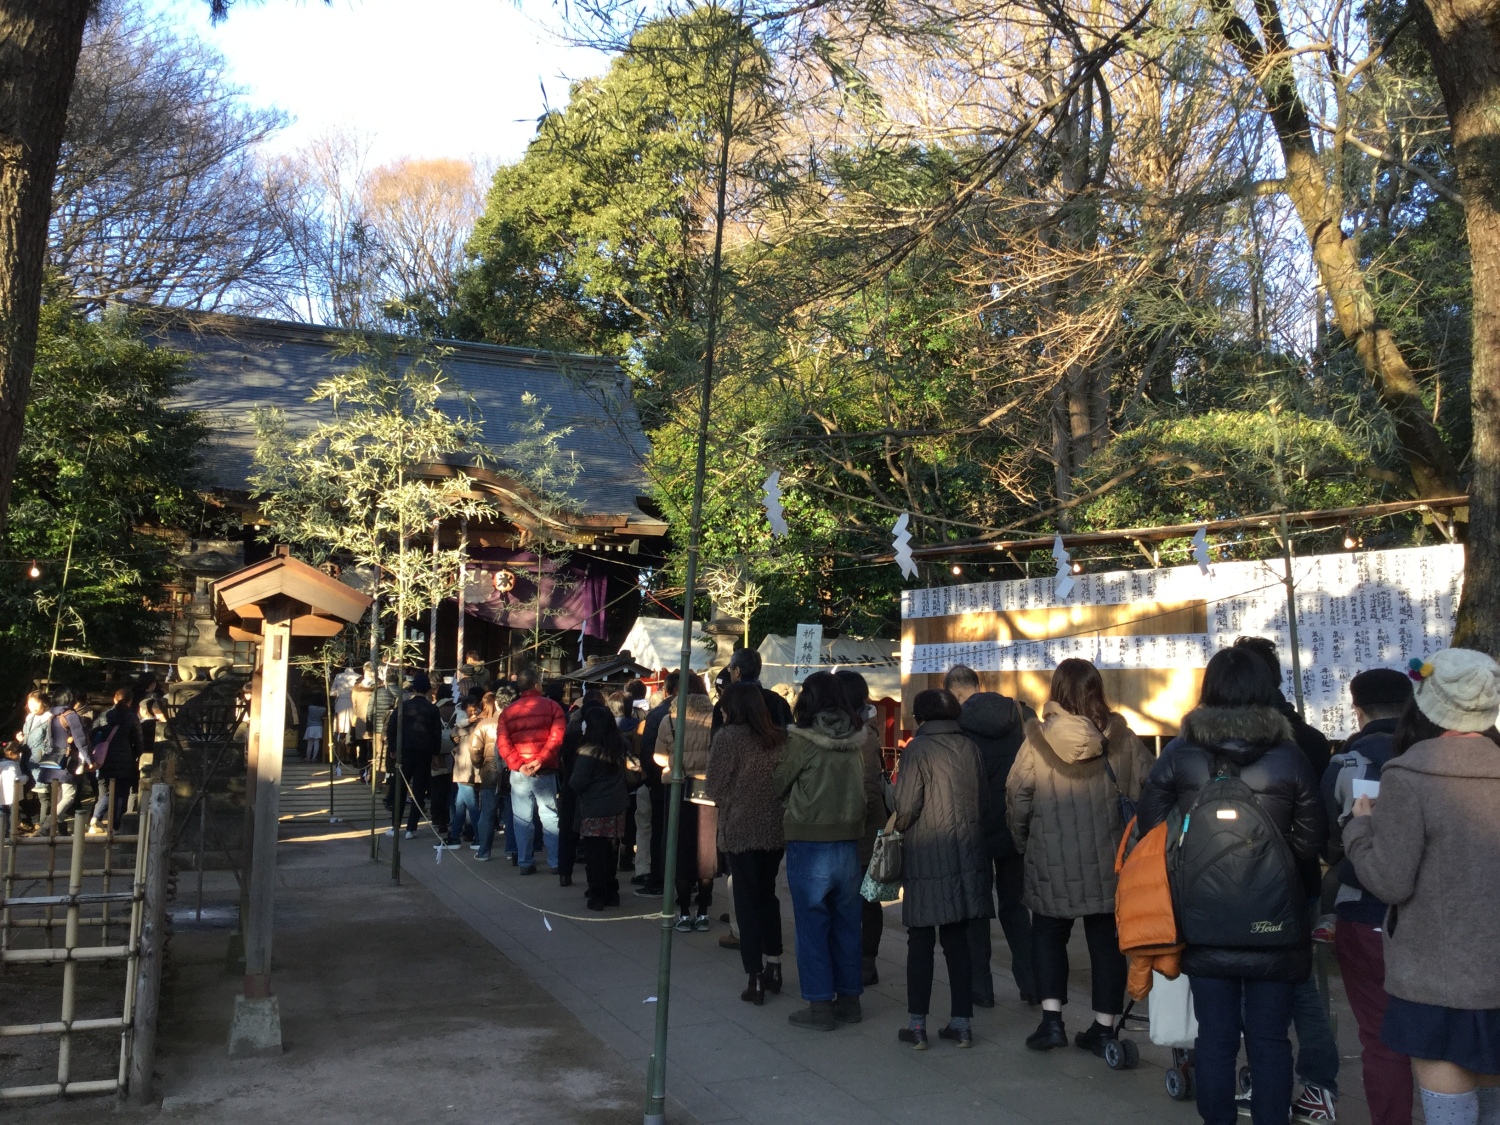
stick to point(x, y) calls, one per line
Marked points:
point(656, 642)
point(879, 662)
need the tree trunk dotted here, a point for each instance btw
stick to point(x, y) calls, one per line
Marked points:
point(1269, 59)
point(39, 45)
point(1463, 37)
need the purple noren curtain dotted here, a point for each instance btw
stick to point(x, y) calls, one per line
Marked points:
point(571, 597)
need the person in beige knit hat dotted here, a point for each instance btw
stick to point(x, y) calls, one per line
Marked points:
point(1428, 847)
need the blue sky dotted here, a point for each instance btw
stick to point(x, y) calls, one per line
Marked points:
point(459, 78)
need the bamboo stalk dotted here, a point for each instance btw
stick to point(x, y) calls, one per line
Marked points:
point(70, 943)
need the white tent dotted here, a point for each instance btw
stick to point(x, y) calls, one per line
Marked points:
point(656, 642)
point(879, 662)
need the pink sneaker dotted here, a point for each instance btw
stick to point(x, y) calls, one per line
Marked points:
point(1323, 932)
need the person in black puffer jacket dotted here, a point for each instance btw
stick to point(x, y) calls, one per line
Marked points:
point(1235, 989)
point(597, 780)
point(414, 733)
point(996, 723)
point(121, 765)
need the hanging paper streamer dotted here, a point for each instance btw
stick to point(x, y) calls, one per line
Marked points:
point(1064, 577)
point(902, 544)
point(1200, 549)
point(774, 511)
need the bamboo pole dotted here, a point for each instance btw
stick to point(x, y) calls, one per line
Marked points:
point(149, 948)
point(656, 1074)
point(70, 943)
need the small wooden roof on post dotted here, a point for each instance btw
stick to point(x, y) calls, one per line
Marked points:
point(270, 603)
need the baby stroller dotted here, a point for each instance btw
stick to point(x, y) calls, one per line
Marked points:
point(1174, 1025)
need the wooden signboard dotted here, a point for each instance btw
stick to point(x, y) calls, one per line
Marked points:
point(1151, 632)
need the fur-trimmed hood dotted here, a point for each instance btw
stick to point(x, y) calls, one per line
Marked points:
point(831, 730)
point(1241, 734)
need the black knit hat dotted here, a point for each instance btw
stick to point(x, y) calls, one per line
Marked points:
point(1380, 687)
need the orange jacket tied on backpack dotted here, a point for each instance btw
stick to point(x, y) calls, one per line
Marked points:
point(1144, 917)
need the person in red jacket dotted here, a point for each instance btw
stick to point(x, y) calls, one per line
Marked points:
point(528, 736)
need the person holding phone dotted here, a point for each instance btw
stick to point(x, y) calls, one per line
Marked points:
point(1428, 848)
point(1379, 695)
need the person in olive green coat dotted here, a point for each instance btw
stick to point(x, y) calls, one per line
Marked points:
point(821, 780)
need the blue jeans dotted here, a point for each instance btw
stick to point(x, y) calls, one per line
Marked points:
point(1317, 1053)
point(824, 881)
point(486, 831)
point(1262, 1009)
point(464, 808)
point(536, 794)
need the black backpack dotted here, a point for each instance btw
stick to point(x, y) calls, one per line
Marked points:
point(1234, 880)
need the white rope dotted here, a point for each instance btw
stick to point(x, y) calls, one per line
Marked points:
point(542, 910)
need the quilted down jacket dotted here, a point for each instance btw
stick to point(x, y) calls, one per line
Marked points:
point(941, 798)
point(531, 730)
point(1064, 811)
point(694, 740)
point(1259, 741)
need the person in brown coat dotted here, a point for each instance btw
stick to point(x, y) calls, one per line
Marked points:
point(741, 783)
point(1429, 848)
point(1063, 803)
point(697, 832)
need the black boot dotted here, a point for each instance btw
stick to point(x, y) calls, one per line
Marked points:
point(755, 991)
point(1050, 1034)
point(771, 977)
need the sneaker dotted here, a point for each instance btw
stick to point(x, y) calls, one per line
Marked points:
point(409, 836)
point(640, 880)
point(1315, 1104)
point(684, 924)
point(475, 848)
point(1323, 932)
point(647, 891)
point(700, 923)
point(450, 847)
point(527, 869)
point(390, 831)
point(1242, 1105)
point(482, 859)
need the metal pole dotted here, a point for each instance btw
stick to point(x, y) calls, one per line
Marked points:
point(656, 1075)
point(377, 738)
point(1291, 615)
point(432, 616)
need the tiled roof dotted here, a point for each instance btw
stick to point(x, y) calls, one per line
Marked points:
point(240, 363)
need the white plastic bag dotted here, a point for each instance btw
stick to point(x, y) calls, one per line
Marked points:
point(1173, 1023)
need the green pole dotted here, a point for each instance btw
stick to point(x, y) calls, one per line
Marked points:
point(656, 1074)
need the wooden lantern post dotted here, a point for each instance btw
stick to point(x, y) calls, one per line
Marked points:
point(271, 603)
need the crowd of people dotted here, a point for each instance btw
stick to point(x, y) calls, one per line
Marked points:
point(1387, 849)
point(69, 756)
point(1007, 814)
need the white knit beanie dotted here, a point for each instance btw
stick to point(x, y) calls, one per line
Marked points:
point(1463, 691)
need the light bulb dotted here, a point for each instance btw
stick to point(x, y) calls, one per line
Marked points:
point(1349, 543)
point(35, 571)
point(1077, 568)
point(957, 570)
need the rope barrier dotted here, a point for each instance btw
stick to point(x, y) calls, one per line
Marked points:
point(396, 827)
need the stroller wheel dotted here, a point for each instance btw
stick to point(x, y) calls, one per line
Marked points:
point(1244, 1079)
point(1179, 1084)
point(1121, 1054)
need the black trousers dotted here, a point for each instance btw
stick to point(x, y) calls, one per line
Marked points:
point(599, 854)
point(757, 910)
point(1049, 949)
point(871, 926)
point(1015, 921)
point(921, 944)
point(657, 795)
point(418, 780)
point(567, 838)
point(440, 789)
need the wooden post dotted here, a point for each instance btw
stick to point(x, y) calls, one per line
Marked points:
point(234, 959)
point(70, 966)
point(153, 855)
point(256, 1028)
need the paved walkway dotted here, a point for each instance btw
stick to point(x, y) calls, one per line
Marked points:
point(729, 1061)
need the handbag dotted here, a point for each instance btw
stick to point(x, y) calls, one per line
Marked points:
point(885, 862)
point(1127, 806)
point(697, 791)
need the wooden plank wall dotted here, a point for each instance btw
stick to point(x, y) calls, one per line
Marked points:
point(1152, 700)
